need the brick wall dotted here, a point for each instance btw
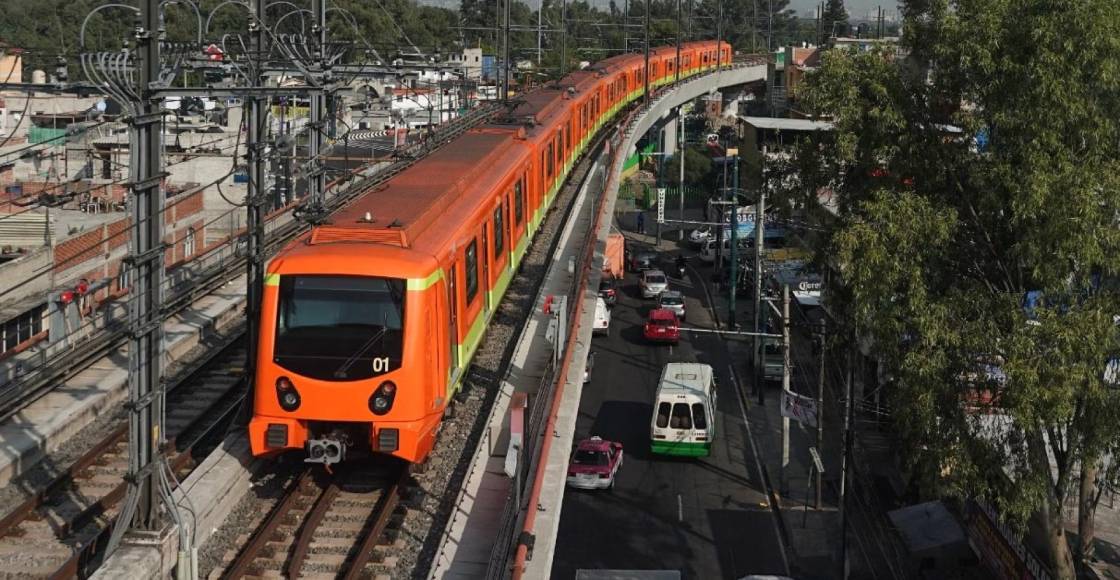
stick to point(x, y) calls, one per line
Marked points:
point(79, 248)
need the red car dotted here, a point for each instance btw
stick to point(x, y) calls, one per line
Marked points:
point(594, 464)
point(663, 326)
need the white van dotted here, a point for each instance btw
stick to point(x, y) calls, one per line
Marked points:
point(684, 411)
point(708, 250)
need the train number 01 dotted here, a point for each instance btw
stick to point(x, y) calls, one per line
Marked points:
point(380, 364)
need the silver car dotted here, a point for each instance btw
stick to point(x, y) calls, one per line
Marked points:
point(654, 282)
point(672, 300)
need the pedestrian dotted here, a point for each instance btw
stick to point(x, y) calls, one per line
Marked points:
point(641, 222)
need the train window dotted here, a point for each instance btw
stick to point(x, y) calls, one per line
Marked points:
point(551, 159)
point(698, 416)
point(340, 328)
point(518, 201)
point(499, 231)
point(472, 271)
point(663, 415)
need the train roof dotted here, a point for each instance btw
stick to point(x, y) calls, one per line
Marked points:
point(403, 209)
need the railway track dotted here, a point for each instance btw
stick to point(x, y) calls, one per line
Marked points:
point(327, 525)
point(57, 532)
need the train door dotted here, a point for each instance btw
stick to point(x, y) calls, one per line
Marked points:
point(453, 311)
point(486, 265)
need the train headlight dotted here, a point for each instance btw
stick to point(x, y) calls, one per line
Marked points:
point(382, 399)
point(287, 394)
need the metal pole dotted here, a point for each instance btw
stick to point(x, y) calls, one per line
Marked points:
point(844, 459)
point(254, 284)
point(645, 75)
point(787, 370)
point(759, 236)
point(540, 11)
point(719, 31)
point(680, 151)
point(316, 179)
point(505, 54)
point(820, 409)
point(677, 63)
point(734, 274)
point(141, 509)
point(563, 37)
point(660, 183)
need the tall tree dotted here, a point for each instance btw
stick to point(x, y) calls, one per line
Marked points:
point(985, 271)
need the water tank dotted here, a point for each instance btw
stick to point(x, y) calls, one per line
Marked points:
point(38, 77)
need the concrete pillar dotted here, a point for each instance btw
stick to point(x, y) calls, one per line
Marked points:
point(669, 137)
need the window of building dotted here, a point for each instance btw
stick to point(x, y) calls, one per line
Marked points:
point(122, 278)
point(499, 231)
point(188, 243)
point(472, 271)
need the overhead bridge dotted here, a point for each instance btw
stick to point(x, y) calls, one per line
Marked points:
point(487, 536)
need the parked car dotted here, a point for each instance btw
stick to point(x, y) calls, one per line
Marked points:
point(608, 290)
point(653, 282)
point(672, 300)
point(594, 464)
point(642, 261)
point(602, 322)
point(773, 361)
point(662, 326)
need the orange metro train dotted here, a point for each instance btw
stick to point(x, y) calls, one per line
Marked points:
point(369, 323)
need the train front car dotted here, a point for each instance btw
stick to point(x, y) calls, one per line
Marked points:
point(345, 364)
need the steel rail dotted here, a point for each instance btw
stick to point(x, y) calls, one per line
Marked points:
point(377, 523)
point(307, 530)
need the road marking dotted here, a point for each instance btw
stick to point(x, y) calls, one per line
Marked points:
point(680, 508)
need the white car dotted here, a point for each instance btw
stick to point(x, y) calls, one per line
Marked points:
point(602, 322)
point(653, 282)
point(672, 300)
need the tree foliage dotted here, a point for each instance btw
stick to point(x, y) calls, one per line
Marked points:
point(939, 241)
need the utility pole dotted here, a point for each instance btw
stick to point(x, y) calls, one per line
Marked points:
point(787, 370)
point(316, 179)
point(146, 462)
point(645, 75)
point(719, 31)
point(759, 237)
point(563, 38)
point(734, 275)
point(677, 63)
point(820, 408)
point(844, 460)
point(540, 12)
point(680, 150)
point(660, 184)
point(506, 67)
point(254, 282)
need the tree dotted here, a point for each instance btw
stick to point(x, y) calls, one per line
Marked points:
point(939, 245)
point(696, 167)
point(834, 21)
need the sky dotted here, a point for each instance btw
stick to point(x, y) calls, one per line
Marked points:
point(856, 8)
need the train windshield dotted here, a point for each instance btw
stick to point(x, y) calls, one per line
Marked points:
point(340, 328)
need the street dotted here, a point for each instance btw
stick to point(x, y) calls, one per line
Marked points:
point(708, 517)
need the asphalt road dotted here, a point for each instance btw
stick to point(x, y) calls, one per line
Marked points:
point(708, 517)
